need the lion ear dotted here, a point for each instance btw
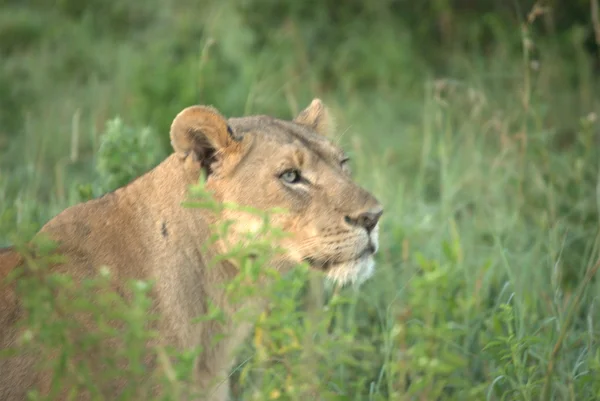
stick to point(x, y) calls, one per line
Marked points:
point(203, 131)
point(316, 117)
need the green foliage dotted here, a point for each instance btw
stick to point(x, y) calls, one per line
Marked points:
point(486, 283)
point(87, 336)
point(55, 305)
point(124, 153)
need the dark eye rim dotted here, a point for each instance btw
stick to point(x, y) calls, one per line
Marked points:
point(345, 165)
point(298, 176)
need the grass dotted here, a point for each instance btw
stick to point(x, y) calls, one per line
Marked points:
point(486, 283)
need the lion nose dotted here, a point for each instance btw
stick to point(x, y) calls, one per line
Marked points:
point(368, 220)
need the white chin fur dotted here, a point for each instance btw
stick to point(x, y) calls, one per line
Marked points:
point(355, 272)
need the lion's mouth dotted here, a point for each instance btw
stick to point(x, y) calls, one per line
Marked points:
point(327, 264)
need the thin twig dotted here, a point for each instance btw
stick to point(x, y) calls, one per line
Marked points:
point(563, 332)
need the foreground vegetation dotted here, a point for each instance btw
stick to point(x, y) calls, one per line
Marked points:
point(485, 157)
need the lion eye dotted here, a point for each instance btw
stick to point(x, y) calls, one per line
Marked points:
point(291, 176)
point(345, 165)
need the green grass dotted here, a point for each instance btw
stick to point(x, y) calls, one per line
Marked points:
point(487, 168)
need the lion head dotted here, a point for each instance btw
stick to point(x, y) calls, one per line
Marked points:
point(265, 162)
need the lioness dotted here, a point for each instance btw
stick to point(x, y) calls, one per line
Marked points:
point(143, 232)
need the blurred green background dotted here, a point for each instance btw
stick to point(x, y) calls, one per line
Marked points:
point(474, 122)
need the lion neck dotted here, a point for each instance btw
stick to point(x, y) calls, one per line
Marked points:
point(182, 263)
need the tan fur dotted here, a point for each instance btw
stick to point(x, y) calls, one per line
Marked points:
point(141, 230)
